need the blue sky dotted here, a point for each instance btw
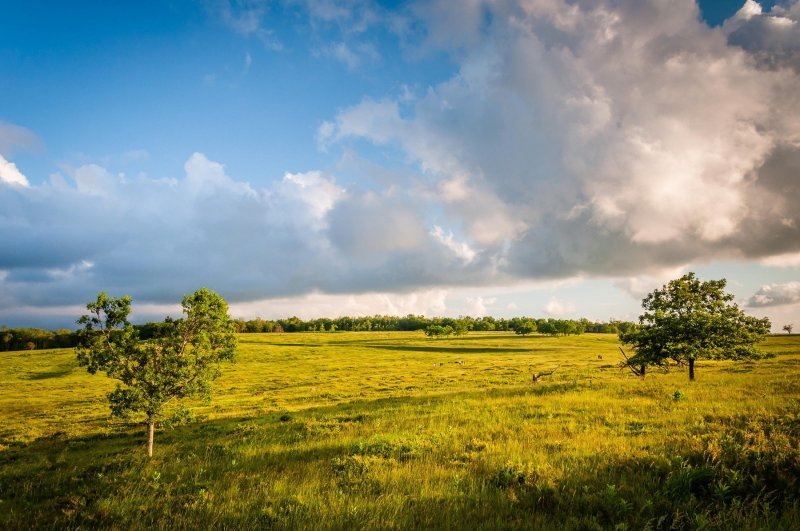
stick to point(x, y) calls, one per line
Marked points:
point(318, 157)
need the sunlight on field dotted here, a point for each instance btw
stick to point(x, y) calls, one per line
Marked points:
point(353, 430)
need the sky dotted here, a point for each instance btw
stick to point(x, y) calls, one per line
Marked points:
point(548, 158)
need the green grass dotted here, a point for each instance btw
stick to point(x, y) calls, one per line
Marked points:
point(393, 430)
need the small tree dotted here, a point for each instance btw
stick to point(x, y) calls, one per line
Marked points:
point(525, 327)
point(439, 330)
point(180, 363)
point(461, 327)
point(687, 320)
point(788, 328)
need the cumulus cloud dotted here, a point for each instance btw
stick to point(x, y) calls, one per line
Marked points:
point(460, 249)
point(639, 286)
point(603, 138)
point(776, 295)
point(313, 305)
point(477, 306)
point(12, 138)
point(782, 260)
point(557, 308)
point(371, 226)
point(157, 239)
point(772, 36)
point(9, 174)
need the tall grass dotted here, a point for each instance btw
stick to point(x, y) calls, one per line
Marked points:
point(393, 430)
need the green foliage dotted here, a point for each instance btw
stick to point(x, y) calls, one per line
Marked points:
point(408, 323)
point(34, 338)
point(563, 327)
point(689, 319)
point(180, 362)
point(525, 327)
point(462, 326)
point(439, 331)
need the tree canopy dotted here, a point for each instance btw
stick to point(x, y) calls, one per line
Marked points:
point(689, 319)
point(180, 362)
point(525, 327)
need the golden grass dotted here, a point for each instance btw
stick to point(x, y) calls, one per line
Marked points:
point(394, 430)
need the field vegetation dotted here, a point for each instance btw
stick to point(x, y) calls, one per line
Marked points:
point(361, 430)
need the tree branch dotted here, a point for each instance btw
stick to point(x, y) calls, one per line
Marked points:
point(628, 363)
point(543, 374)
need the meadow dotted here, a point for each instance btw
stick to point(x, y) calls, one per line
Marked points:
point(394, 430)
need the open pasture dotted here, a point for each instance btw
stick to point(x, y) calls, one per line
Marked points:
point(393, 430)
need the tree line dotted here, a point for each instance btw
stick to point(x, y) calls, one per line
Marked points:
point(36, 338)
point(438, 325)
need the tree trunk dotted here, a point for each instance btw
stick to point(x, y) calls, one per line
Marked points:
point(151, 430)
point(691, 370)
point(642, 370)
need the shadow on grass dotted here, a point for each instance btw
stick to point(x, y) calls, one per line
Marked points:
point(450, 350)
point(394, 340)
point(46, 375)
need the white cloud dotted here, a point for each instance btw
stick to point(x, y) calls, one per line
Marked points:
point(92, 179)
point(557, 308)
point(477, 306)
point(380, 231)
point(313, 305)
point(773, 37)
point(782, 260)
point(9, 174)
point(776, 295)
point(159, 238)
point(314, 193)
point(460, 249)
point(749, 10)
point(638, 286)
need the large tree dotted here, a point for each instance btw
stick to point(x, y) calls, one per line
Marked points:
point(689, 319)
point(180, 362)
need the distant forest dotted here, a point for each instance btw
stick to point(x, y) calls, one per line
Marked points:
point(35, 338)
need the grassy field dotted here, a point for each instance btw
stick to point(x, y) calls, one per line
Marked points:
point(393, 430)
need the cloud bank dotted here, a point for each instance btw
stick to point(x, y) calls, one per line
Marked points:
point(776, 295)
point(588, 138)
point(604, 137)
